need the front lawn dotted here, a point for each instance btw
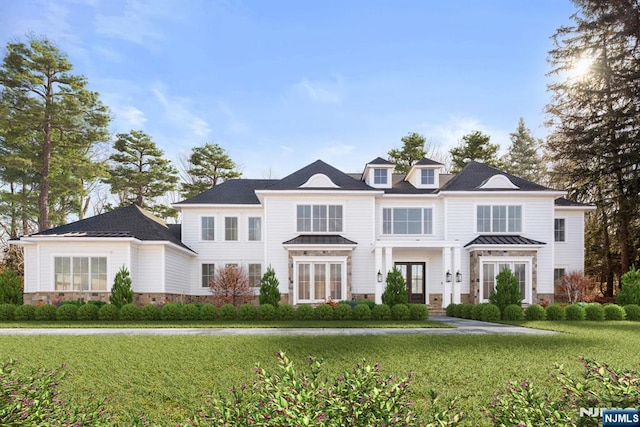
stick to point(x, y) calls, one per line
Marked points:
point(165, 378)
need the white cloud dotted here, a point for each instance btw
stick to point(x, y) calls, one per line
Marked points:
point(449, 133)
point(129, 116)
point(321, 92)
point(177, 111)
point(234, 124)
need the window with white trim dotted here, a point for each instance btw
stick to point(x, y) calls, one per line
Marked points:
point(319, 218)
point(254, 275)
point(80, 273)
point(499, 219)
point(207, 227)
point(231, 228)
point(427, 177)
point(255, 228)
point(318, 281)
point(407, 221)
point(380, 176)
point(208, 274)
point(491, 269)
point(558, 274)
point(559, 229)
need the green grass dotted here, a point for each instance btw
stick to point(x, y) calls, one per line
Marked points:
point(165, 378)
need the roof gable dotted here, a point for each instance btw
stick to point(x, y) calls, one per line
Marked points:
point(297, 180)
point(234, 191)
point(475, 174)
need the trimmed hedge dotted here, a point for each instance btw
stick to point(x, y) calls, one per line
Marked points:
point(190, 311)
point(343, 312)
point(150, 312)
point(108, 312)
point(513, 312)
point(67, 312)
point(451, 310)
point(535, 312)
point(266, 311)
point(88, 312)
point(285, 312)
point(614, 312)
point(130, 312)
point(574, 312)
point(170, 311)
point(632, 311)
point(490, 313)
point(555, 312)
point(247, 311)
point(594, 312)
point(7, 311)
point(400, 312)
point(304, 312)
point(25, 312)
point(324, 312)
point(362, 312)
point(227, 312)
point(466, 311)
point(418, 312)
point(381, 312)
point(208, 312)
point(46, 312)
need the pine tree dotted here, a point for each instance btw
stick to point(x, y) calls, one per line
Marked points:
point(207, 166)
point(523, 157)
point(412, 151)
point(507, 290)
point(269, 292)
point(475, 146)
point(121, 292)
point(396, 289)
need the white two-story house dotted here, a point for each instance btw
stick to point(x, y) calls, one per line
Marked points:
point(328, 235)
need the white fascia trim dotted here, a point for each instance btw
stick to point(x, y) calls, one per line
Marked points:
point(218, 205)
point(319, 247)
point(520, 193)
point(575, 208)
point(59, 238)
point(171, 244)
point(327, 191)
point(410, 195)
point(504, 247)
point(426, 244)
point(20, 242)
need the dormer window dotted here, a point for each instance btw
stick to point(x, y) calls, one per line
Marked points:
point(379, 176)
point(427, 177)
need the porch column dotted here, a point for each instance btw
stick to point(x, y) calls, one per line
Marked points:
point(457, 267)
point(388, 264)
point(446, 266)
point(379, 267)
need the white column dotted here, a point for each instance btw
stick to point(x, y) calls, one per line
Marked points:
point(388, 263)
point(378, 268)
point(457, 267)
point(446, 266)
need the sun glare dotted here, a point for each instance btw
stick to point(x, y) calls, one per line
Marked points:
point(580, 68)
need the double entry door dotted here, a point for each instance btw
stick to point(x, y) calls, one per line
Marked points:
point(414, 274)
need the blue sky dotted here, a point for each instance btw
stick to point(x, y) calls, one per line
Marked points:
point(280, 84)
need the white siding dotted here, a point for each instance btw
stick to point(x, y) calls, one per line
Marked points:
point(150, 269)
point(570, 253)
point(31, 276)
point(177, 271)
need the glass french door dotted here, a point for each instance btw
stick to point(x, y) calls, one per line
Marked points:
point(414, 274)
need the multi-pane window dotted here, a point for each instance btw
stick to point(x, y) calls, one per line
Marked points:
point(208, 273)
point(380, 176)
point(490, 271)
point(255, 228)
point(318, 281)
point(255, 275)
point(559, 229)
point(80, 273)
point(407, 221)
point(231, 228)
point(319, 218)
point(558, 274)
point(427, 177)
point(207, 225)
point(499, 219)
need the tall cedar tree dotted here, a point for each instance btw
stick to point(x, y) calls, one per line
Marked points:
point(139, 173)
point(207, 166)
point(396, 290)
point(48, 123)
point(269, 284)
point(412, 151)
point(475, 146)
point(594, 144)
point(523, 156)
point(121, 292)
point(507, 290)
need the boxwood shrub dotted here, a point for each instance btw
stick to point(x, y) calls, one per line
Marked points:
point(25, 312)
point(381, 312)
point(87, 312)
point(266, 311)
point(476, 311)
point(362, 312)
point(247, 311)
point(451, 310)
point(594, 312)
point(323, 312)
point(370, 303)
point(67, 312)
point(170, 311)
point(574, 312)
point(535, 312)
point(458, 311)
point(150, 312)
point(400, 312)
point(418, 312)
point(304, 312)
point(513, 312)
point(490, 313)
point(285, 312)
point(555, 312)
point(614, 312)
point(632, 311)
point(130, 312)
point(227, 312)
point(7, 311)
point(208, 312)
point(466, 311)
point(108, 312)
point(343, 312)
point(190, 312)
point(46, 312)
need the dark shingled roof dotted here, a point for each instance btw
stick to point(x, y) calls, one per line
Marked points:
point(503, 240)
point(341, 179)
point(475, 174)
point(380, 161)
point(569, 203)
point(400, 186)
point(130, 221)
point(428, 162)
point(319, 239)
point(232, 192)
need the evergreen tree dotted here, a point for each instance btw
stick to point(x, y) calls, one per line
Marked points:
point(121, 292)
point(269, 292)
point(396, 290)
point(507, 290)
point(412, 151)
point(475, 146)
point(207, 166)
point(139, 174)
point(523, 157)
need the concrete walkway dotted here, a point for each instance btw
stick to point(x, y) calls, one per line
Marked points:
point(462, 327)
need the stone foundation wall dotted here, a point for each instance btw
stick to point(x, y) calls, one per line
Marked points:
point(33, 298)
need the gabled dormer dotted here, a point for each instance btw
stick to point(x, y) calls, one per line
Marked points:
point(425, 174)
point(378, 173)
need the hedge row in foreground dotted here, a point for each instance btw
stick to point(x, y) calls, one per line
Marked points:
point(175, 311)
point(596, 312)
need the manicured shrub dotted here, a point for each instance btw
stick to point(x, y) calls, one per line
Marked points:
point(208, 312)
point(451, 310)
point(97, 303)
point(555, 312)
point(171, 311)
point(490, 313)
point(227, 312)
point(67, 312)
point(25, 312)
point(7, 311)
point(396, 289)
point(130, 312)
point(121, 291)
point(535, 312)
point(507, 290)
point(247, 311)
point(285, 312)
point(458, 311)
point(343, 312)
point(304, 312)
point(629, 293)
point(266, 311)
point(594, 312)
point(614, 312)
point(381, 312)
point(370, 303)
point(324, 312)
point(632, 311)
point(46, 312)
point(476, 312)
point(190, 312)
point(400, 312)
point(574, 312)
point(466, 311)
point(361, 312)
point(108, 312)
point(75, 302)
point(512, 312)
point(87, 312)
point(269, 292)
point(150, 312)
point(418, 312)
point(10, 288)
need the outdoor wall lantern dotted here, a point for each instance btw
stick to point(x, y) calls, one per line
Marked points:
point(448, 276)
point(379, 276)
point(458, 276)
